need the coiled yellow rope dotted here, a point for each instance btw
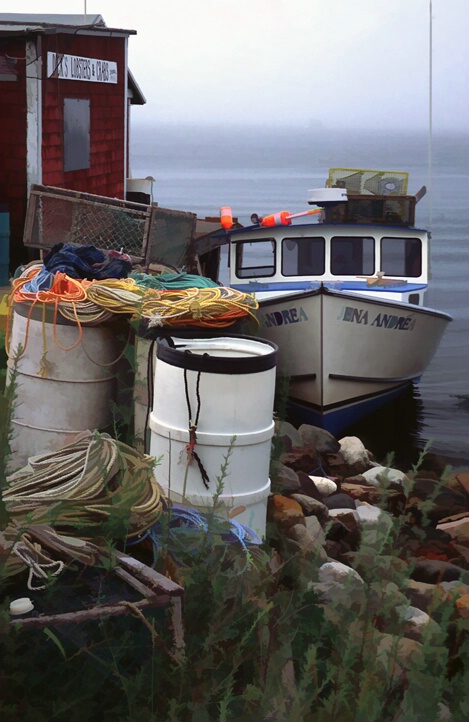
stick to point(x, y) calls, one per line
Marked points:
point(116, 296)
point(213, 307)
point(100, 300)
point(94, 302)
point(87, 312)
point(77, 488)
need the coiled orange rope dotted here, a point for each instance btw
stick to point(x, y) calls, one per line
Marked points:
point(63, 288)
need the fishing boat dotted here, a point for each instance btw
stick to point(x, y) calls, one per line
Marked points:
point(341, 291)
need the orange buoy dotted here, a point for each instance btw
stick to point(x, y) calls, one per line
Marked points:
point(226, 217)
point(282, 218)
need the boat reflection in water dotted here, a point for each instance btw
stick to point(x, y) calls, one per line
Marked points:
point(395, 428)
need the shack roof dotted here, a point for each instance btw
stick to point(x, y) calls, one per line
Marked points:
point(136, 95)
point(25, 24)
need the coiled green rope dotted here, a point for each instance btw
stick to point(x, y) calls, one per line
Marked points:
point(172, 281)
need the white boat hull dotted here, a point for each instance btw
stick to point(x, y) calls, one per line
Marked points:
point(343, 352)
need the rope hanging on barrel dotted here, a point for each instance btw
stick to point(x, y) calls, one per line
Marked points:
point(193, 423)
point(62, 288)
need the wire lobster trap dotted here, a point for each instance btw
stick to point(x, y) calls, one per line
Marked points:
point(171, 238)
point(56, 215)
point(147, 233)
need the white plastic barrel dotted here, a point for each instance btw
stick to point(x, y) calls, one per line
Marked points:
point(75, 394)
point(228, 383)
point(141, 400)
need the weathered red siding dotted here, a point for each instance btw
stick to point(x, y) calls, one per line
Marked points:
point(13, 147)
point(108, 107)
point(107, 118)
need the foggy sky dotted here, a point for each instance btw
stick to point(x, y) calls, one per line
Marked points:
point(357, 63)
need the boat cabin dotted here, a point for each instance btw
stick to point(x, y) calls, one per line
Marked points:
point(372, 260)
point(362, 240)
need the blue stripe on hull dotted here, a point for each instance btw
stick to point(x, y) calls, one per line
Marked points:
point(284, 285)
point(336, 420)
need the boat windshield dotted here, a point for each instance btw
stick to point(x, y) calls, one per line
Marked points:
point(304, 256)
point(352, 255)
point(401, 256)
point(255, 259)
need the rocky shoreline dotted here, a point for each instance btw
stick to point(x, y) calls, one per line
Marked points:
point(394, 540)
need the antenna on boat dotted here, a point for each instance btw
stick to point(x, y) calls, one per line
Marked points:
point(84, 12)
point(430, 111)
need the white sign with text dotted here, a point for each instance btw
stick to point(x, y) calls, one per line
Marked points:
point(75, 67)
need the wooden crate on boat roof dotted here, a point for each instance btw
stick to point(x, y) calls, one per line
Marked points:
point(374, 196)
point(386, 210)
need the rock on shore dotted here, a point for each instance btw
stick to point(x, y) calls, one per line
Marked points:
point(362, 523)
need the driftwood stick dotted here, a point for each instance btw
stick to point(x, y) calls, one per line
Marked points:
point(85, 615)
point(149, 576)
point(177, 624)
point(134, 583)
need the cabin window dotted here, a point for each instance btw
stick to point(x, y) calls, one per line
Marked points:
point(303, 256)
point(401, 257)
point(352, 255)
point(255, 259)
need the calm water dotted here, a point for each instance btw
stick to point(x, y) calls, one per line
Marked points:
point(265, 170)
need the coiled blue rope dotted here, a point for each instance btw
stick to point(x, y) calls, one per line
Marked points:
point(41, 282)
point(184, 519)
point(319, 468)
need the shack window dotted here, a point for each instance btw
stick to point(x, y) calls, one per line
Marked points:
point(8, 68)
point(255, 259)
point(303, 256)
point(76, 134)
point(401, 257)
point(352, 255)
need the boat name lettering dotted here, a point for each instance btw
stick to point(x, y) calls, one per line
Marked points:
point(354, 315)
point(382, 320)
point(288, 315)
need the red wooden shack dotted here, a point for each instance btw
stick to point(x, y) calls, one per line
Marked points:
point(65, 97)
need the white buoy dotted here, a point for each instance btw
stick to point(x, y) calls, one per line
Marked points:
point(23, 605)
